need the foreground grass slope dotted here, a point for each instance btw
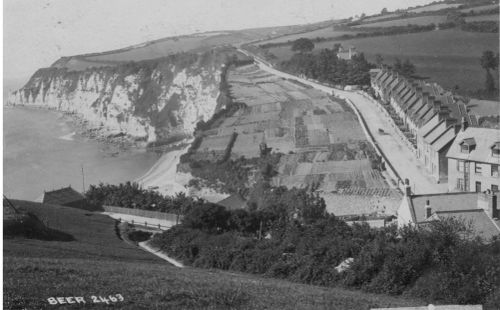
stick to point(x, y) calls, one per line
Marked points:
point(99, 263)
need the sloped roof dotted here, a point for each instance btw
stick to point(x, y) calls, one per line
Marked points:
point(233, 202)
point(429, 126)
point(62, 196)
point(481, 224)
point(444, 139)
point(443, 202)
point(484, 138)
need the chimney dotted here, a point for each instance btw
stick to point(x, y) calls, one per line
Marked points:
point(428, 209)
point(407, 188)
point(488, 202)
point(437, 105)
point(465, 123)
point(425, 97)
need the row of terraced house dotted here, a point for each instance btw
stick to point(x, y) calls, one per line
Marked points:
point(446, 137)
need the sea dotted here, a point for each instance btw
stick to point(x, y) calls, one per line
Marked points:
point(41, 152)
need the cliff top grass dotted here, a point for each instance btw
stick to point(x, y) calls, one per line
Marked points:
point(98, 263)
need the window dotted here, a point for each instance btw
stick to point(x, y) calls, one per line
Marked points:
point(464, 148)
point(478, 187)
point(477, 169)
point(460, 184)
point(495, 152)
point(460, 165)
point(494, 188)
point(494, 171)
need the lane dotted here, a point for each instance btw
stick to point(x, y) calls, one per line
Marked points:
point(397, 152)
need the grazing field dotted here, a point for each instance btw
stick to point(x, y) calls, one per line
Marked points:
point(189, 43)
point(373, 18)
point(419, 20)
point(328, 32)
point(98, 263)
point(481, 18)
point(429, 51)
point(434, 7)
point(481, 8)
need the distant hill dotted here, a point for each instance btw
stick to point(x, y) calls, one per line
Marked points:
point(98, 263)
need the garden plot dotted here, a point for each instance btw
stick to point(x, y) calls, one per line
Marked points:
point(258, 117)
point(266, 107)
point(339, 204)
point(328, 145)
point(214, 143)
point(248, 145)
point(272, 88)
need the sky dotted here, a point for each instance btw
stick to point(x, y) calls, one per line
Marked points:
point(37, 32)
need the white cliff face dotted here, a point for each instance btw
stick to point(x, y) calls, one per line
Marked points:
point(125, 104)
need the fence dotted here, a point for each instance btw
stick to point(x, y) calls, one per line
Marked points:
point(390, 169)
point(144, 213)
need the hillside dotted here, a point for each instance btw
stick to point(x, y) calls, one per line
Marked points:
point(194, 43)
point(99, 263)
point(444, 40)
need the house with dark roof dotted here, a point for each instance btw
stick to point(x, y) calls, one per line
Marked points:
point(65, 196)
point(479, 211)
point(474, 160)
point(346, 54)
point(233, 202)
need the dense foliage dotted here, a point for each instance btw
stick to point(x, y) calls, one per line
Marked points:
point(302, 45)
point(439, 264)
point(131, 195)
point(326, 67)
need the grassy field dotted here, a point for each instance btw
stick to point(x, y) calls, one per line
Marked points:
point(480, 18)
point(434, 7)
point(327, 32)
point(429, 51)
point(481, 8)
point(419, 20)
point(98, 263)
point(189, 43)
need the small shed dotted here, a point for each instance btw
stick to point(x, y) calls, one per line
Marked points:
point(66, 196)
point(233, 202)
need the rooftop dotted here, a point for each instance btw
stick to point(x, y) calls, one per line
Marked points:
point(484, 139)
point(62, 196)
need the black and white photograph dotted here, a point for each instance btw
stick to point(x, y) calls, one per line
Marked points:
point(264, 154)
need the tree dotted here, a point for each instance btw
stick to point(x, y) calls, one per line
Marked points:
point(302, 45)
point(489, 62)
point(398, 66)
point(379, 60)
point(384, 11)
point(408, 69)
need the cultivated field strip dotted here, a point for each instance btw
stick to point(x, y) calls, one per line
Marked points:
point(320, 139)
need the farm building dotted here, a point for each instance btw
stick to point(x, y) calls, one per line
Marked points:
point(346, 54)
point(65, 196)
point(233, 202)
point(429, 114)
point(478, 209)
point(474, 160)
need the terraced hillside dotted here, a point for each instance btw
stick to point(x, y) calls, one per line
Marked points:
point(321, 142)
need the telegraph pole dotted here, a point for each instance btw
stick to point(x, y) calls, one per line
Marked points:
point(83, 180)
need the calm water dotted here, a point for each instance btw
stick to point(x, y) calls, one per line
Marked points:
point(36, 158)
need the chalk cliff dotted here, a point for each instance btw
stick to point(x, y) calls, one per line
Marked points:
point(151, 100)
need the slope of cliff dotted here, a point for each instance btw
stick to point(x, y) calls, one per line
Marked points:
point(152, 100)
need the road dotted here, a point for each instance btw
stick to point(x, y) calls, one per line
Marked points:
point(396, 151)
